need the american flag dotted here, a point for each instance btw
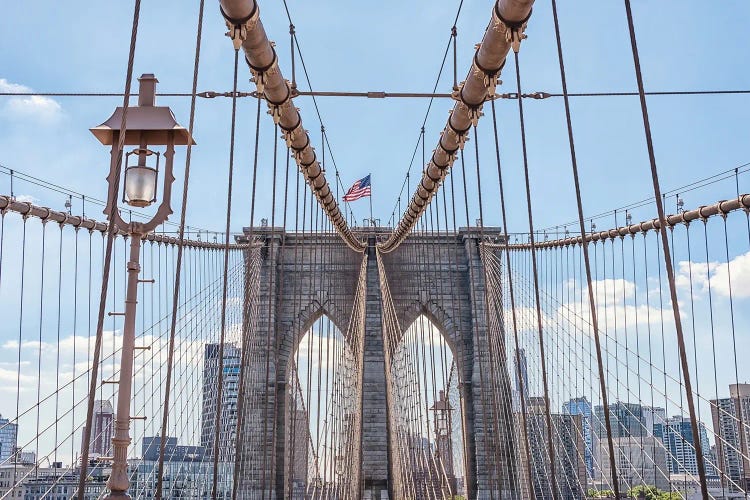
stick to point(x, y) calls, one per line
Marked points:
point(360, 189)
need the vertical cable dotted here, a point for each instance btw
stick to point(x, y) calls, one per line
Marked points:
point(220, 389)
point(178, 268)
point(535, 273)
point(239, 440)
point(667, 257)
point(39, 353)
point(20, 333)
point(585, 250)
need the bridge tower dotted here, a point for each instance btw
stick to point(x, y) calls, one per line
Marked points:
point(296, 287)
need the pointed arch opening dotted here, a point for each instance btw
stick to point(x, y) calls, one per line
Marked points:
point(428, 411)
point(322, 403)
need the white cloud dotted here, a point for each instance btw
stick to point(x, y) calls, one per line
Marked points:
point(26, 198)
point(739, 271)
point(14, 88)
point(718, 275)
point(607, 290)
point(39, 108)
point(615, 301)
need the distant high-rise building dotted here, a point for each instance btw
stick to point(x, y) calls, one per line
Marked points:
point(731, 419)
point(443, 422)
point(100, 444)
point(653, 416)
point(640, 454)
point(582, 407)
point(677, 435)
point(627, 420)
point(569, 445)
point(8, 439)
point(640, 460)
point(523, 370)
point(299, 437)
point(230, 370)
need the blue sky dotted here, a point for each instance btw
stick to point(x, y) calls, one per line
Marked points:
point(394, 47)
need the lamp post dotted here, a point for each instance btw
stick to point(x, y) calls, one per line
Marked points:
point(443, 437)
point(146, 125)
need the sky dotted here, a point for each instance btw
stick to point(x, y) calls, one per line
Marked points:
point(395, 47)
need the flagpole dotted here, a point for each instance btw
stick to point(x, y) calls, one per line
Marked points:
point(372, 221)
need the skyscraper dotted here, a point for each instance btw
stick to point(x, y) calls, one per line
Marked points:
point(299, 437)
point(640, 460)
point(731, 419)
point(230, 369)
point(653, 416)
point(640, 455)
point(8, 439)
point(677, 435)
point(582, 406)
point(570, 467)
point(627, 420)
point(524, 372)
point(101, 434)
point(443, 422)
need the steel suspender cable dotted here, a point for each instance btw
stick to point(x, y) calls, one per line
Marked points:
point(247, 31)
point(220, 389)
point(667, 256)
point(273, 260)
point(178, 269)
point(491, 379)
point(585, 250)
point(504, 219)
point(505, 30)
point(239, 439)
point(536, 285)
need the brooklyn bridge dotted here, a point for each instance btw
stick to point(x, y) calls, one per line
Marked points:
point(484, 314)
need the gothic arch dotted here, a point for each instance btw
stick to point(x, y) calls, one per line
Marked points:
point(441, 320)
point(306, 317)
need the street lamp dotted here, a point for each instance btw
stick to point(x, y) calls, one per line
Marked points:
point(146, 125)
point(443, 436)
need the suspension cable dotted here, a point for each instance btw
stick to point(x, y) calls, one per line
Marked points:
point(111, 233)
point(180, 248)
point(586, 260)
point(514, 315)
point(505, 30)
point(667, 255)
point(220, 389)
point(543, 361)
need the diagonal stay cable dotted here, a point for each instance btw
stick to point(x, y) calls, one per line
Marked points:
point(514, 314)
point(535, 273)
point(326, 143)
point(667, 256)
point(180, 249)
point(111, 233)
point(586, 259)
point(420, 137)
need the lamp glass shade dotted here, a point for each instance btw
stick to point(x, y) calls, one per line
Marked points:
point(140, 186)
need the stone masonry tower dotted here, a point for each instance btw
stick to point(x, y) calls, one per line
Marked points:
point(301, 286)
